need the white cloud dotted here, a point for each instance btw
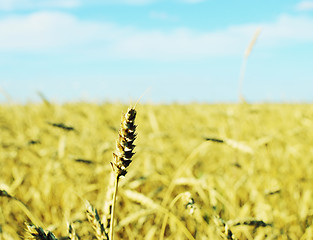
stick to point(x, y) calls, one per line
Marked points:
point(287, 30)
point(305, 6)
point(186, 43)
point(55, 32)
point(9, 5)
point(48, 31)
point(60, 3)
point(177, 44)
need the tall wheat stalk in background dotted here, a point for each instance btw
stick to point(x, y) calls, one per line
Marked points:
point(122, 157)
point(244, 62)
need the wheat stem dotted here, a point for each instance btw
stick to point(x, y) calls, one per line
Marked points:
point(113, 206)
point(244, 63)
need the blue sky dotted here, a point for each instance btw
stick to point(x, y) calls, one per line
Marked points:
point(171, 50)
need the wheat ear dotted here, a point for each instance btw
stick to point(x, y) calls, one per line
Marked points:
point(223, 228)
point(94, 219)
point(37, 233)
point(122, 157)
point(71, 232)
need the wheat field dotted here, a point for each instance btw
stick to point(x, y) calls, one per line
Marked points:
point(232, 171)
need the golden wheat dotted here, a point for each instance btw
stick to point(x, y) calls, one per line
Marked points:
point(260, 194)
point(122, 157)
point(71, 232)
point(37, 233)
point(94, 219)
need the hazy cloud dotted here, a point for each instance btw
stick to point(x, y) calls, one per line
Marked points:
point(287, 30)
point(50, 32)
point(128, 2)
point(305, 6)
point(9, 5)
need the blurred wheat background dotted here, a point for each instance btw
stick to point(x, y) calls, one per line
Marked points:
point(247, 165)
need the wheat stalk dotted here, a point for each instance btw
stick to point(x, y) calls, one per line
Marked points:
point(107, 211)
point(189, 204)
point(244, 63)
point(122, 157)
point(148, 202)
point(22, 206)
